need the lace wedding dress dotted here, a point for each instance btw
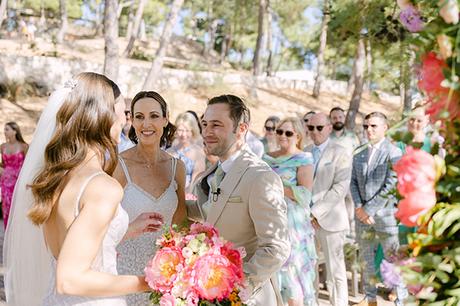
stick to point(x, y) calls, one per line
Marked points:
point(135, 253)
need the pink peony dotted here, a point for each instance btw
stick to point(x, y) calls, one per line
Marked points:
point(431, 77)
point(192, 299)
point(416, 171)
point(167, 300)
point(208, 229)
point(162, 270)
point(214, 277)
point(415, 205)
point(234, 256)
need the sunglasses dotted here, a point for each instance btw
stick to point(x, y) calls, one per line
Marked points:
point(366, 126)
point(319, 128)
point(127, 112)
point(269, 128)
point(280, 132)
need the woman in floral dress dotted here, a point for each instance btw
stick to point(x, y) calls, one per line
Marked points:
point(295, 167)
point(13, 153)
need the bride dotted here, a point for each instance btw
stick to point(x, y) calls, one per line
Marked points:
point(66, 191)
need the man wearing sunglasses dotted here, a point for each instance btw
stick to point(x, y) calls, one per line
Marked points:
point(331, 183)
point(243, 198)
point(371, 184)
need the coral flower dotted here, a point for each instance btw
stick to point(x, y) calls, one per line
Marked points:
point(162, 270)
point(416, 171)
point(208, 229)
point(214, 277)
point(415, 205)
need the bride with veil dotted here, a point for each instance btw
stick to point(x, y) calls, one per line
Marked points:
point(66, 219)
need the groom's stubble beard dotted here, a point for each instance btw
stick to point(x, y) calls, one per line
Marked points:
point(338, 126)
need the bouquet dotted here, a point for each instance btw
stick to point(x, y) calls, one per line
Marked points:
point(195, 267)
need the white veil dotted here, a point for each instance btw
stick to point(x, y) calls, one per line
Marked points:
point(26, 258)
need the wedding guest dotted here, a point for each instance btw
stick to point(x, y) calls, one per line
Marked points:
point(195, 115)
point(184, 147)
point(74, 200)
point(330, 219)
point(371, 184)
point(243, 198)
point(350, 142)
point(13, 153)
point(256, 146)
point(295, 167)
point(417, 126)
point(269, 139)
point(305, 120)
point(125, 142)
point(153, 182)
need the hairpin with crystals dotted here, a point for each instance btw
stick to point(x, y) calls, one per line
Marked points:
point(70, 84)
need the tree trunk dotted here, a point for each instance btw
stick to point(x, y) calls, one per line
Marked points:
point(164, 41)
point(408, 63)
point(99, 19)
point(322, 48)
point(368, 64)
point(212, 37)
point(3, 6)
point(360, 64)
point(135, 31)
point(269, 69)
point(129, 26)
point(351, 80)
point(257, 62)
point(63, 12)
point(207, 44)
point(110, 37)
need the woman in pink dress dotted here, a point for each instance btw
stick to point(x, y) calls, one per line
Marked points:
point(13, 153)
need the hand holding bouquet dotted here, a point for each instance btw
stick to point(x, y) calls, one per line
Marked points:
point(195, 267)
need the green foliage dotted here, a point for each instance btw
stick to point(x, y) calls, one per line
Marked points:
point(52, 7)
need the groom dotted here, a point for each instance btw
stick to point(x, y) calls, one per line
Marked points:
point(243, 198)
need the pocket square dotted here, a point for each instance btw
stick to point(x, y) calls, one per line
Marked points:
point(236, 199)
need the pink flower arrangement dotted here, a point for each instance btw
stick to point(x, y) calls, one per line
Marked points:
point(195, 265)
point(416, 172)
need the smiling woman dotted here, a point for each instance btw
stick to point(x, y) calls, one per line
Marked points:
point(153, 182)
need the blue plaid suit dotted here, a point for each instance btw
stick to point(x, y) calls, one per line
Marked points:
point(370, 186)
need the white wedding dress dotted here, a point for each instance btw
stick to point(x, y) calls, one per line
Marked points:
point(135, 253)
point(106, 261)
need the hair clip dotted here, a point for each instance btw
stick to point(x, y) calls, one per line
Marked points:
point(70, 84)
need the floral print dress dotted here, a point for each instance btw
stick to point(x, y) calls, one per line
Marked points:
point(12, 164)
point(297, 276)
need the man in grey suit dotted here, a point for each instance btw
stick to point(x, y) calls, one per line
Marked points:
point(243, 198)
point(331, 183)
point(371, 182)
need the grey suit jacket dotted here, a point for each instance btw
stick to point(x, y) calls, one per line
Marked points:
point(250, 211)
point(370, 186)
point(330, 186)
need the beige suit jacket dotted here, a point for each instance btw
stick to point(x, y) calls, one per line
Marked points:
point(250, 211)
point(331, 183)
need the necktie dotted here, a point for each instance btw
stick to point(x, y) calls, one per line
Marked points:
point(316, 155)
point(217, 178)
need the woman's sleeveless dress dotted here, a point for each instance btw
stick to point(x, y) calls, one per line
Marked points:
point(12, 164)
point(135, 253)
point(296, 277)
point(106, 261)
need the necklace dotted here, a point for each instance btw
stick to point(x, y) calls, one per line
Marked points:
point(145, 161)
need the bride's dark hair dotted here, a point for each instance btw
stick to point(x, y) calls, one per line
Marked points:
point(83, 122)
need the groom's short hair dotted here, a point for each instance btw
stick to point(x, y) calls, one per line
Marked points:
point(239, 112)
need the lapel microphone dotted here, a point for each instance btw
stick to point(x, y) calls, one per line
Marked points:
point(215, 195)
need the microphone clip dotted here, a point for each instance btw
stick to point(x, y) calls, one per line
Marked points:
point(215, 195)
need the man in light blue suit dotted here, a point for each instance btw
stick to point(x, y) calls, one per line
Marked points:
point(372, 180)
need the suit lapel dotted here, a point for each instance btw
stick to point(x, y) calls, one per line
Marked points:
point(378, 156)
point(227, 186)
point(325, 158)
